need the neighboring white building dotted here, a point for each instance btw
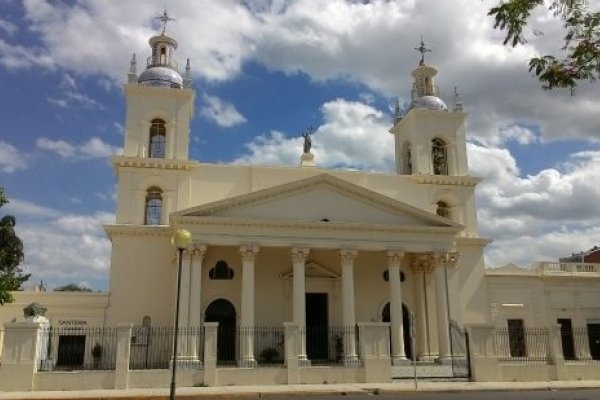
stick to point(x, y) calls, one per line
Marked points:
point(306, 254)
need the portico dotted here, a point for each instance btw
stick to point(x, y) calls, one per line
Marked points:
point(276, 262)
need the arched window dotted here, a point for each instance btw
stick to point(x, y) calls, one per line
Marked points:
point(220, 271)
point(153, 206)
point(439, 157)
point(442, 209)
point(158, 134)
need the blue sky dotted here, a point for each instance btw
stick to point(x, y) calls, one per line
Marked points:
point(264, 72)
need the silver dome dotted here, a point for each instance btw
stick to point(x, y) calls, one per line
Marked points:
point(161, 77)
point(429, 103)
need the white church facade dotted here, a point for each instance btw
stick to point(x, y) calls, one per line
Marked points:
point(363, 272)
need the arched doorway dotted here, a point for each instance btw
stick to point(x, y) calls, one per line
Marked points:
point(385, 317)
point(223, 312)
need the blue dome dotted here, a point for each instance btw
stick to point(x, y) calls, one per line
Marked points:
point(429, 103)
point(161, 77)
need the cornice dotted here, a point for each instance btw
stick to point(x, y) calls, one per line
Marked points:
point(137, 230)
point(158, 163)
point(157, 91)
point(316, 225)
point(445, 180)
point(473, 241)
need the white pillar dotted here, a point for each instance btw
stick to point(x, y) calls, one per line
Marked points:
point(299, 257)
point(347, 257)
point(195, 307)
point(443, 260)
point(184, 303)
point(394, 258)
point(248, 254)
point(422, 266)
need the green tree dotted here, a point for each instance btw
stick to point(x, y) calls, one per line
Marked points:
point(72, 287)
point(11, 256)
point(580, 58)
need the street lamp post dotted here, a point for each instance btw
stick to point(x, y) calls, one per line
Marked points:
point(181, 240)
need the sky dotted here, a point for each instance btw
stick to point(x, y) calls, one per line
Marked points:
point(267, 70)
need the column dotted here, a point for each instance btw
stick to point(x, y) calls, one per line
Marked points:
point(299, 257)
point(422, 265)
point(248, 254)
point(444, 260)
point(184, 307)
point(394, 258)
point(195, 308)
point(347, 257)
point(442, 317)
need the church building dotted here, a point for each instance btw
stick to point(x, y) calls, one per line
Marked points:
point(303, 244)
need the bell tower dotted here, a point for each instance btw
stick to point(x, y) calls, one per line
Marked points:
point(429, 139)
point(160, 103)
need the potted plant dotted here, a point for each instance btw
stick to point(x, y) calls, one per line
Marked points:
point(97, 354)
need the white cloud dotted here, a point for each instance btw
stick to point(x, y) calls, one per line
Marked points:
point(11, 159)
point(353, 135)
point(8, 27)
point(73, 98)
point(554, 212)
point(93, 148)
point(221, 112)
point(70, 248)
point(29, 209)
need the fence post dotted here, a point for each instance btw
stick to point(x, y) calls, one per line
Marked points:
point(556, 353)
point(21, 353)
point(123, 354)
point(482, 353)
point(375, 351)
point(210, 353)
point(292, 344)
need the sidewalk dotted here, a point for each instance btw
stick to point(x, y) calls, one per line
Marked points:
point(227, 392)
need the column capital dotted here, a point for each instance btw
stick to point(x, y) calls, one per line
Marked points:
point(347, 256)
point(447, 259)
point(249, 253)
point(394, 257)
point(300, 254)
point(199, 250)
point(425, 262)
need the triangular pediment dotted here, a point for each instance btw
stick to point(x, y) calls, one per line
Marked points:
point(314, 271)
point(319, 199)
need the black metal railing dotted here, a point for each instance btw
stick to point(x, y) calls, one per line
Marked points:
point(459, 341)
point(581, 343)
point(78, 348)
point(522, 345)
point(152, 347)
point(332, 345)
point(251, 346)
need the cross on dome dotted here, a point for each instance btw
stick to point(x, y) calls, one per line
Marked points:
point(164, 19)
point(422, 49)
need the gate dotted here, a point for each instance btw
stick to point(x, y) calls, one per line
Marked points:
point(459, 342)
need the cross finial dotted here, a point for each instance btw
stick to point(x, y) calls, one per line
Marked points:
point(422, 49)
point(164, 19)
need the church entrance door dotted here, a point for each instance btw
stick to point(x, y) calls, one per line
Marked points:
point(223, 312)
point(317, 325)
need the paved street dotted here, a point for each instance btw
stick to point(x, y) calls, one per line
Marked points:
point(582, 394)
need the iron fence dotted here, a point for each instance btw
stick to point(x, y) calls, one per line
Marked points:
point(522, 345)
point(152, 347)
point(78, 348)
point(251, 346)
point(332, 345)
point(581, 344)
point(459, 342)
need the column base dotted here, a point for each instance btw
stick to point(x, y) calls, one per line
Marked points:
point(397, 361)
point(303, 361)
point(187, 362)
point(426, 357)
point(351, 360)
point(247, 363)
